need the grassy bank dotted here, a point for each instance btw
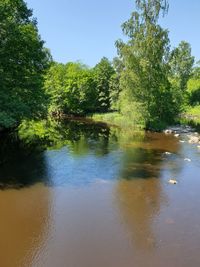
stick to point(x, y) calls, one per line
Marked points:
point(191, 117)
point(117, 119)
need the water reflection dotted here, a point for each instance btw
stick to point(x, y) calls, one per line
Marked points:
point(139, 192)
point(139, 203)
point(81, 135)
point(21, 166)
point(86, 190)
point(43, 150)
point(77, 152)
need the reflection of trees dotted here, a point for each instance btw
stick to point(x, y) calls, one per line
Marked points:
point(81, 136)
point(141, 163)
point(139, 202)
point(139, 192)
point(24, 224)
point(22, 166)
point(23, 162)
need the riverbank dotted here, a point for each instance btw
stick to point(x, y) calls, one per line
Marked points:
point(191, 117)
point(117, 119)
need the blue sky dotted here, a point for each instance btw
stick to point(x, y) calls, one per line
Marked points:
point(86, 30)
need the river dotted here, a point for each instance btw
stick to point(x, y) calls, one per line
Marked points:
point(86, 195)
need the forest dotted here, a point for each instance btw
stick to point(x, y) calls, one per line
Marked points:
point(149, 84)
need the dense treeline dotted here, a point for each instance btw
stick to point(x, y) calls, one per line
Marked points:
point(73, 88)
point(23, 61)
point(148, 81)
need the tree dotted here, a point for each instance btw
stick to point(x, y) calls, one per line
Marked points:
point(23, 61)
point(181, 62)
point(196, 71)
point(144, 79)
point(114, 85)
point(193, 89)
point(193, 85)
point(71, 89)
point(103, 72)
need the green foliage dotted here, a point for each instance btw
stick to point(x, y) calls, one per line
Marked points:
point(181, 63)
point(23, 61)
point(114, 89)
point(151, 9)
point(196, 71)
point(193, 86)
point(75, 89)
point(118, 119)
point(103, 72)
point(71, 88)
point(193, 89)
point(144, 79)
point(54, 134)
point(147, 84)
point(191, 116)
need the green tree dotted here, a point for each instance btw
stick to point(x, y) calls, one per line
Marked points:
point(103, 72)
point(144, 79)
point(23, 61)
point(115, 89)
point(193, 89)
point(181, 62)
point(71, 89)
point(196, 70)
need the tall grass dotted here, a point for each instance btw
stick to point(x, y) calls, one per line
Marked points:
point(117, 119)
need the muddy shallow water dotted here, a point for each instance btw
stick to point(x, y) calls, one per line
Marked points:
point(99, 198)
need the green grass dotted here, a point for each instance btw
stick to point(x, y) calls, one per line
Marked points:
point(191, 116)
point(117, 119)
point(195, 111)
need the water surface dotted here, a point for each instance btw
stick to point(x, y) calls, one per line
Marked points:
point(85, 195)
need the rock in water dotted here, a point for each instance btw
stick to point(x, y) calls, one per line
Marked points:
point(168, 131)
point(194, 139)
point(172, 181)
point(186, 159)
point(167, 153)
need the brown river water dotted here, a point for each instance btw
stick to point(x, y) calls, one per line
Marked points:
point(90, 196)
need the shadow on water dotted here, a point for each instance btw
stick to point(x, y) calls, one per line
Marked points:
point(77, 152)
point(139, 203)
point(139, 194)
point(24, 157)
point(125, 201)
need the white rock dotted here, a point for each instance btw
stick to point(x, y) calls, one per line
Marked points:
point(193, 139)
point(186, 159)
point(167, 153)
point(168, 131)
point(172, 181)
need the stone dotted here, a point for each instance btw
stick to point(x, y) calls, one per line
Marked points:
point(167, 153)
point(168, 131)
point(172, 181)
point(194, 139)
point(187, 159)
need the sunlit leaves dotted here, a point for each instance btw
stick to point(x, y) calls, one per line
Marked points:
point(23, 61)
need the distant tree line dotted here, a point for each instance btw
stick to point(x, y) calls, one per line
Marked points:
point(73, 88)
point(148, 79)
